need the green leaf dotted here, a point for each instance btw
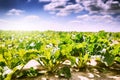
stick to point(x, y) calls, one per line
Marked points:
point(9, 76)
point(108, 59)
point(57, 54)
point(86, 56)
point(117, 59)
point(48, 54)
point(65, 71)
point(72, 59)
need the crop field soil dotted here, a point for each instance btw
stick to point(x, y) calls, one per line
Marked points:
point(100, 73)
point(57, 55)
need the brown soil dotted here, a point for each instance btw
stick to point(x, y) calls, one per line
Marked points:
point(80, 76)
point(90, 73)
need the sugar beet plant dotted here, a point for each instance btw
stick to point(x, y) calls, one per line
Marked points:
point(53, 49)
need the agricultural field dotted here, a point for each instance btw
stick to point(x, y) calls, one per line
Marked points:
point(59, 55)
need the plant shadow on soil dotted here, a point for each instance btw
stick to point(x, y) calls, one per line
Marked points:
point(100, 72)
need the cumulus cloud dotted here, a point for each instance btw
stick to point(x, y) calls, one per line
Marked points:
point(61, 8)
point(99, 6)
point(16, 12)
point(73, 8)
point(62, 13)
point(114, 7)
point(77, 1)
point(94, 6)
point(65, 7)
point(55, 5)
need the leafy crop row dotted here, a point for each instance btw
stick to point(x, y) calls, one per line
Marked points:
point(52, 49)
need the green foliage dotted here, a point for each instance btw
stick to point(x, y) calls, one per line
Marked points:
point(50, 59)
point(51, 49)
point(82, 61)
point(14, 70)
point(64, 71)
point(31, 72)
point(30, 54)
point(108, 59)
point(2, 64)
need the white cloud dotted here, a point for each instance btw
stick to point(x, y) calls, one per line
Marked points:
point(78, 1)
point(44, 0)
point(63, 13)
point(83, 17)
point(97, 18)
point(65, 7)
point(98, 6)
point(55, 5)
point(30, 22)
point(74, 8)
point(61, 8)
point(16, 12)
point(33, 22)
point(94, 23)
point(79, 25)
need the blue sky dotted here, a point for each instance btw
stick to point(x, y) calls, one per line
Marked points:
point(60, 15)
